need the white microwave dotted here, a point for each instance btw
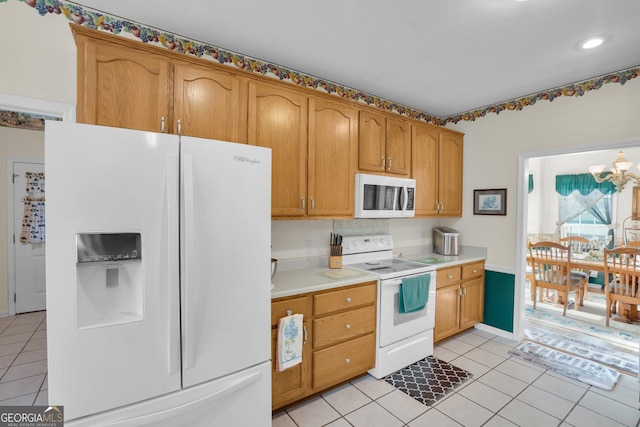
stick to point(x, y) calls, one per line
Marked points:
point(380, 196)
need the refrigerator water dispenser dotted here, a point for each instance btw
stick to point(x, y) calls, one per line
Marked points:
point(109, 279)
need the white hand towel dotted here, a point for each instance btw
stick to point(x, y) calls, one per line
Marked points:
point(290, 337)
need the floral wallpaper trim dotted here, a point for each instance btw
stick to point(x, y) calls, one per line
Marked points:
point(97, 20)
point(20, 120)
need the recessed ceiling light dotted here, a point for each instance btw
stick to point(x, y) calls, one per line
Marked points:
point(592, 42)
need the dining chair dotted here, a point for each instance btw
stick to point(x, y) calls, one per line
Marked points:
point(623, 276)
point(551, 269)
point(579, 245)
point(633, 243)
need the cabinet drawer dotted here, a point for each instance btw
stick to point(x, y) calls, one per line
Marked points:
point(472, 270)
point(343, 326)
point(344, 361)
point(295, 305)
point(343, 299)
point(447, 276)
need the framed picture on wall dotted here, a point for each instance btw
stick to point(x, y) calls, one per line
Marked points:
point(490, 202)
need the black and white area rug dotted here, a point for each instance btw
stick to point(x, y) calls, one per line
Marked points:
point(428, 379)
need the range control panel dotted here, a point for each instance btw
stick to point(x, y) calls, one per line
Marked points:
point(364, 244)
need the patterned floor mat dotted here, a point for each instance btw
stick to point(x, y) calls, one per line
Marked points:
point(598, 351)
point(428, 379)
point(584, 370)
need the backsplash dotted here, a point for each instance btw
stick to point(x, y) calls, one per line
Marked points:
point(360, 227)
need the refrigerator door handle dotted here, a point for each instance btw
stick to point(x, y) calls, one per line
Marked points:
point(177, 410)
point(189, 253)
point(172, 267)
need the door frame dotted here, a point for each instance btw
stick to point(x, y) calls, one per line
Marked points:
point(522, 207)
point(40, 107)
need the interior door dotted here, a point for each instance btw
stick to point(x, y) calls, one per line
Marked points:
point(28, 236)
point(225, 259)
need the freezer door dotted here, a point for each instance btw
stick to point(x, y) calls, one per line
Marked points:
point(113, 320)
point(225, 258)
point(239, 399)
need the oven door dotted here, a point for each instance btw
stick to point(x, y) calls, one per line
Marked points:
point(396, 326)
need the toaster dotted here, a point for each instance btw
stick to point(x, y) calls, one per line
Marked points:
point(446, 241)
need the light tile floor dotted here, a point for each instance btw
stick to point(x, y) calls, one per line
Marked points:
point(504, 391)
point(23, 359)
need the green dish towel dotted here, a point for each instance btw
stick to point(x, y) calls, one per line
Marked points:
point(414, 293)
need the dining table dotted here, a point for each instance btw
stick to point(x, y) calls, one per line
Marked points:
point(593, 261)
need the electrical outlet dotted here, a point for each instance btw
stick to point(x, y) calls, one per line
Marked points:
point(307, 247)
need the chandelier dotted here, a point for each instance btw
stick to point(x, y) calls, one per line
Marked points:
point(618, 174)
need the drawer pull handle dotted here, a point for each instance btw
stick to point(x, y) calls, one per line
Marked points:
point(348, 326)
point(450, 276)
point(348, 299)
point(347, 361)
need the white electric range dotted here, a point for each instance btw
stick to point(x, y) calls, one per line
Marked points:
point(402, 338)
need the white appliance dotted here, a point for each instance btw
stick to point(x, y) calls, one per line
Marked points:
point(380, 196)
point(158, 268)
point(403, 338)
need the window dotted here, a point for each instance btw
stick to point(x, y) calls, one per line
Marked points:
point(589, 225)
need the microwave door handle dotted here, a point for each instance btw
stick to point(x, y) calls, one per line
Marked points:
point(404, 197)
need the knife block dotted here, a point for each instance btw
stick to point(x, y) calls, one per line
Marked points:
point(335, 262)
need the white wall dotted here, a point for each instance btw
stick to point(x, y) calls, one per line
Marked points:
point(492, 145)
point(38, 54)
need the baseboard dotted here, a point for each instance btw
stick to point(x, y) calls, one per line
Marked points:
point(500, 332)
point(4, 314)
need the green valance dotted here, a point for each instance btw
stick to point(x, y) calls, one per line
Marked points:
point(583, 182)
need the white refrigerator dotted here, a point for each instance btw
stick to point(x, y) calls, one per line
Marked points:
point(158, 278)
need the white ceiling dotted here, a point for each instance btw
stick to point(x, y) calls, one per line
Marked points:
point(441, 57)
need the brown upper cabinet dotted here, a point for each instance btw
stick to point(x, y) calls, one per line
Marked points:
point(318, 141)
point(313, 144)
point(278, 120)
point(437, 169)
point(384, 144)
point(139, 89)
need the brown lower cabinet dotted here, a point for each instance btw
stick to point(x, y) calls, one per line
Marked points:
point(459, 299)
point(339, 340)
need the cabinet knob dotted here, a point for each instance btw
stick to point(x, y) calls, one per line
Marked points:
point(348, 326)
point(450, 276)
point(349, 299)
point(303, 204)
point(475, 270)
point(313, 204)
point(383, 163)
point(162, 124)
point(347, 361)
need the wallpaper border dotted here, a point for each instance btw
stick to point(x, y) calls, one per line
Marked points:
point(96, 20)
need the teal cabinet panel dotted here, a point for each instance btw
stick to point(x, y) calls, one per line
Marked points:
point(499, 300)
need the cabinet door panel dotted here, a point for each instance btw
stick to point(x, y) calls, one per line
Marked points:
point(121, 87)
point(398, 147)
point(447, 311)
point(210, 103)
point(331, 165)
point(450, 174)
point(278, 120)
point(424, 169)
point(293, 383)
point(371, 142)
point(472, 308)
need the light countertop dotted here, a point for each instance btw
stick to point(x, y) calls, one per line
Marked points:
point(311, 279)
point(299, 276)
